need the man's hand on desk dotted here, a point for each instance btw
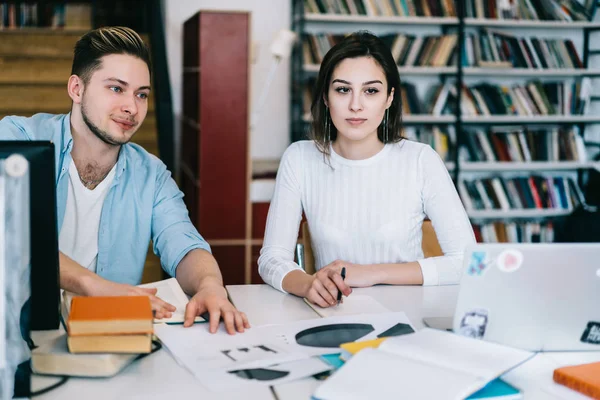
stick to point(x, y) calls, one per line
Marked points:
point(81, 281)
point(212, 298)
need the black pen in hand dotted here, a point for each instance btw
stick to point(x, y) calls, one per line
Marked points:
point(339, 296)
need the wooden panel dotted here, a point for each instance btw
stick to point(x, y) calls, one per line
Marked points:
point(39, 44)
point(191, 93)
point(191, 44)
point(34, 99)
point(152, 270)
point(259, 219)
point(223, 104)
point(231, 263)
point(255, 277)
point(45, 43)
point(430, 245)
point(40, 70)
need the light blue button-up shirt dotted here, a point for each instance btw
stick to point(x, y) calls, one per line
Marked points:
point(143, 202)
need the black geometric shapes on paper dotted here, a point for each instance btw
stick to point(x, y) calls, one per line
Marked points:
point(332, 336)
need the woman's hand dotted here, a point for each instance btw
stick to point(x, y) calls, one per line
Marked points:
point(326, 284)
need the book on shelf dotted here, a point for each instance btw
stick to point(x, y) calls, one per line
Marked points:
point(524, 145)
point(520, 193)
point(407, 50)
point(514, 232)
point(530, 99)
point(546, 10)
point(14, 15)
point(383, 8)
point(490, 48)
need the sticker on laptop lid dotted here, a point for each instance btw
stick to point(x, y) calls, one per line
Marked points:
point(509, 260)
point(591, 334)
point(473, 323)
point(478, 263)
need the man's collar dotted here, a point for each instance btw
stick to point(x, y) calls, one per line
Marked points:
point(67, 135)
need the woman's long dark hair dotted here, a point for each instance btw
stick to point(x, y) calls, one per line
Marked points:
point(358, 44)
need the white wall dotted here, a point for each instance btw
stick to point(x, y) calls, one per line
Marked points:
point(271, 135)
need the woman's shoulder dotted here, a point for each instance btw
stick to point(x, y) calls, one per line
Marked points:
point(411, 148)
point(301, 150)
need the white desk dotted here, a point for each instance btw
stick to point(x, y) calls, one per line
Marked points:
point(265, 305)
point(159, 377)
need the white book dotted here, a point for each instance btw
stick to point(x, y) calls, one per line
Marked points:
point(580, 146)
point(413, 52)
point(429, 364)
point(464, 194)
point(513, 147)
point(53, 358)
point(168, 290)
point(554, 145)
point(524, 146)
point(440, 102)
point(534, 54)
point(351, 305)
point(514, 194)
point(483, 194)
point(500, 194)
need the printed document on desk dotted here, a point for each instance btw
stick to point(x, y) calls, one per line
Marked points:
point(206, 354)
point(406, 366)
point(351, 305)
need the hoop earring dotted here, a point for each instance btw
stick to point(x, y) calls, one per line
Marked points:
point(385, 126)
point(327, 125)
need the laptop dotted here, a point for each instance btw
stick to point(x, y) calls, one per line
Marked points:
point(537, 297)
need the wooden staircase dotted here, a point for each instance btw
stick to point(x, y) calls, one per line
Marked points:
point(35, 64)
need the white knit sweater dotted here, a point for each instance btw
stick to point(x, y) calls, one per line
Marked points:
point(365, 211)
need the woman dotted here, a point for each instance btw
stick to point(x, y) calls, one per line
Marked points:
point(363, 188)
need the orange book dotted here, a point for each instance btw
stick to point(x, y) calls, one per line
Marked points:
point(583, 378)
point(110, 315)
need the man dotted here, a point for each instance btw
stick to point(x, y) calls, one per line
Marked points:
point(113, 196)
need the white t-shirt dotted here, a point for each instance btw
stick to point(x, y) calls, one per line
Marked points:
point(79, 233)
point(365, 211)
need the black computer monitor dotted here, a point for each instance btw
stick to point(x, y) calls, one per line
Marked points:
point(45, 284)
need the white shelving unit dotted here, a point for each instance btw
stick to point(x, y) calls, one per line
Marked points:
point(526, 213)
point(541, 119)
point(380, 20)
point(537, 28)
point(529, 72)
point(527, 166)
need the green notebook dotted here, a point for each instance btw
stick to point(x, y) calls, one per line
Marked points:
point(497, 389)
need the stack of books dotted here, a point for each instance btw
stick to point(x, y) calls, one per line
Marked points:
point(110, 325)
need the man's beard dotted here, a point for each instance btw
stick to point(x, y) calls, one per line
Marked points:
point(100, 134)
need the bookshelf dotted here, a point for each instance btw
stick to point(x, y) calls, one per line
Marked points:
point(559, 60)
